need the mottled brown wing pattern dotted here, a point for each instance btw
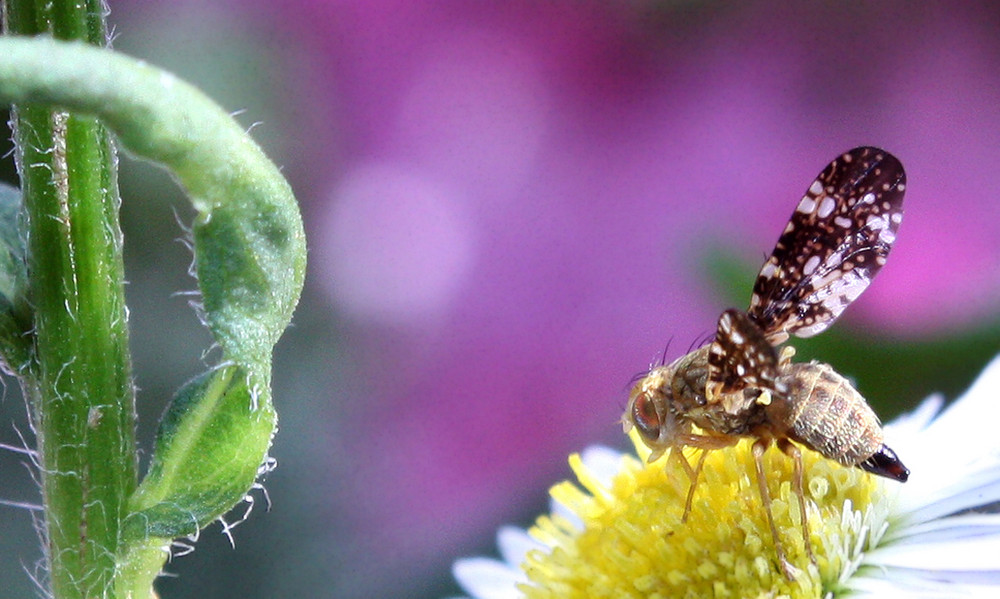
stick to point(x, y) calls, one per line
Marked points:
point(834, 244)
point(740, 357)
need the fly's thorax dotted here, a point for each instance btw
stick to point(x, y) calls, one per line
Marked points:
point(692, 406)
point(689, 381)
point(825, 412)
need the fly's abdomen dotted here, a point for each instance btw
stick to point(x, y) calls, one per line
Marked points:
point(826, 413)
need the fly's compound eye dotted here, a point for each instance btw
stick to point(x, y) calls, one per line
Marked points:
point(646, 418)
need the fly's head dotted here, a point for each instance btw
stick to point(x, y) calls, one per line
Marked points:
point(651, 411)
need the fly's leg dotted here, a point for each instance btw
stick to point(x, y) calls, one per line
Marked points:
point(705, 443)
point(693, 475)
point(758, 449)
point(793, 452)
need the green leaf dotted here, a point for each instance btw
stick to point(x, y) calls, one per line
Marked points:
point(212, 439)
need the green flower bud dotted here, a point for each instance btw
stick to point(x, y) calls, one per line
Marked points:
point(211, 442)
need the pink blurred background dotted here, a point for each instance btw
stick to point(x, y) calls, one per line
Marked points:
point(509, 207)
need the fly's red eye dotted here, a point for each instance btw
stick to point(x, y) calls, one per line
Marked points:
point(645, 417)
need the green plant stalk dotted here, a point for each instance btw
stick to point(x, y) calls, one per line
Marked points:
point(78, 377)
point(82, 392)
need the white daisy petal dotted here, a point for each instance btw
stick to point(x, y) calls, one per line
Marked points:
point(904, 585)
point(976, 489)
point(603, 462)
point(487, 578)
point(966, 526)
point(959, 555)
point(514, 544)
point(565, 513)
point(971, 419)
point(917, 420)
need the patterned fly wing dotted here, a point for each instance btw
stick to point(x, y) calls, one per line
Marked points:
point(740, 357)
point(836, 241)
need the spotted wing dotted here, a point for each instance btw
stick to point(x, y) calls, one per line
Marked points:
point(740, 357)
point(834, 244)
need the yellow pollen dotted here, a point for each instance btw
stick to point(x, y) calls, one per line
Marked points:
point(633, 544)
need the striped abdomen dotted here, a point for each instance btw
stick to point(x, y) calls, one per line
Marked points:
point(825, 412)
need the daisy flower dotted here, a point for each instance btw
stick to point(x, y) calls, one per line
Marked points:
point(617, 531)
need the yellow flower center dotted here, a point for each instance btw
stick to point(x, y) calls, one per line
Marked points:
point(633, 544)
